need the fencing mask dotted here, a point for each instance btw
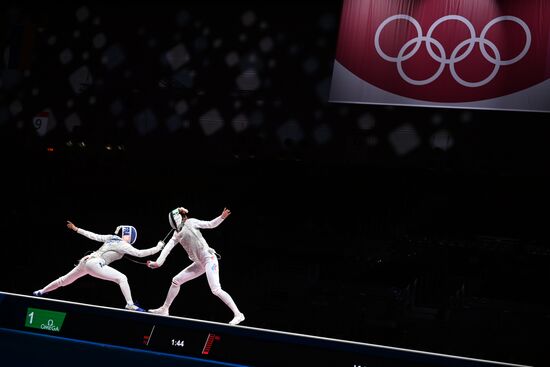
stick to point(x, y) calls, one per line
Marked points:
point(128, 231)
point(175, 219)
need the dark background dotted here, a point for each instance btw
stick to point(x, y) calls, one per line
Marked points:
point(411, 227)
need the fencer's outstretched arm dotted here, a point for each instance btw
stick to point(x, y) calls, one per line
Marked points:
point(164, 254)
point(131, 250)
point(88, 234)
point(211, 223)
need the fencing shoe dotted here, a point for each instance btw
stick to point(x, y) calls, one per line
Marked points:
point(134, 308)
point(160, 311)
point(237, 319)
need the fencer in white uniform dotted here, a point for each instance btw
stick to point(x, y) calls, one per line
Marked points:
point(97, 263)
point(187, 233)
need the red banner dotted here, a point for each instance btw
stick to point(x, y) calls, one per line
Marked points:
point(448, 53)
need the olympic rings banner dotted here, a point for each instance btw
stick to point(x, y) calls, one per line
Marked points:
point(477, 54)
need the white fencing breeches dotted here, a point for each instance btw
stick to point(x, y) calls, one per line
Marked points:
point(211, 268)
point(96, 268)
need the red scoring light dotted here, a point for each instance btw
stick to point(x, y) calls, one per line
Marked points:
point(209, 341)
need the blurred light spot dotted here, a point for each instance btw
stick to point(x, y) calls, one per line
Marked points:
point(183, 78)
point(35, 91)
point(76, 33)
point(466, 116)
point(81, 79)
point(145, 122)
point(442, 139)
point(99, 40)
point(181, 107)
point(173, 123)
point(290, 131)
point(232, 59)
point(82, 13)
point(217, 43)
point(97, 21)
point(266, 44)
point(437, 118)
point(16, 107)
point(44, 122)
point(404, 139)
point(248, 18)
point(70, 103)
point(113, 57)
point(65, 56)
point(71, 121)
point(211, 122)
point(239, 123)
point(248, 80)
point(177, 56)
point(52, 40)
point(85, 55)
point(366, 121)
point(92, 100)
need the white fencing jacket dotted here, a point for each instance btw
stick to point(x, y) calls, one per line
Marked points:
point(115, 247)
point(192, 240)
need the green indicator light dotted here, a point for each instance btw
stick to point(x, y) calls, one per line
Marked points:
point(44, 319)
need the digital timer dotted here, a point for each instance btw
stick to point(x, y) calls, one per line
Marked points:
point(178, 343)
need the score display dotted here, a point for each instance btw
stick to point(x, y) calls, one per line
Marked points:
point(202, 342)
point(44, 319)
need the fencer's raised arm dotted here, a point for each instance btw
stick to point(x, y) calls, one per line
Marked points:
point(88, 234)
point(211, 223)
point(131, 250)
point(164, 254)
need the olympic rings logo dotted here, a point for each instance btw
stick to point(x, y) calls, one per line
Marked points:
point(456, 56)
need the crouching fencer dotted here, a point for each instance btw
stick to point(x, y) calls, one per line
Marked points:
point(97, 263)
point(205, 260)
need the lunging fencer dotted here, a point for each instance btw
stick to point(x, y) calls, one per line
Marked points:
point(205, 260)
point(97, 263)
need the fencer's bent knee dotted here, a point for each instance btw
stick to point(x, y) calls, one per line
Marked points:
point(175, 282)
point(122, 279)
